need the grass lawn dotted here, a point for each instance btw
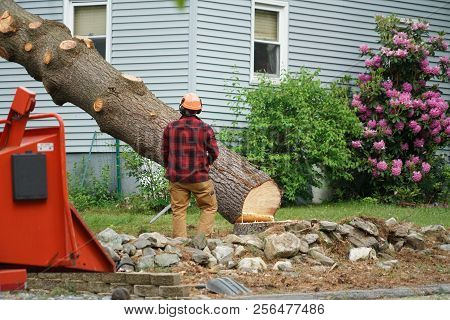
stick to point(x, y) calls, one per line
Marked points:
point(127, 221)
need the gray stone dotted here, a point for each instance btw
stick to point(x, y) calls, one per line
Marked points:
point(445, 247)
point(127, 264)
point(129, 249)
point(239, 251)
point(310, 238)
point(213, 243)
point(386, 247)
point(362, 254)
point(436, 228)
point(364, 225)
point(327, 225)
point(415, 241)
point(391, 223)
point(199, 241)
point(157, 240)
point(399, 244)
point(178, 241)
point(320, 257)
point(223, 254)
point(148, 251)
point(359, 239)
point(345, 229)
point(141, 243)
point(298, 226)
point(253, 240)
point(167, 259)
point(285, 245)
point(112, 253)
point(325, 239)
point(283, 266)
point(232, 238)
point(387, 265)
point(252, 265)
point(108, 235)
point(172, 249)
point(145, 263)
point(304, 246)
point(231, 264)
point(126, 238)
point(110, 238)
point(401, 230)
point(198, 256)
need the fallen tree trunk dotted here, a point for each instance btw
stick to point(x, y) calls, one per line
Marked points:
point(72, 71)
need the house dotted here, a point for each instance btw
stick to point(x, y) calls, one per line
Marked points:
point(202, 46)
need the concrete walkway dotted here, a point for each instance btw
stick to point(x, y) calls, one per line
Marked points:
point(394, 293)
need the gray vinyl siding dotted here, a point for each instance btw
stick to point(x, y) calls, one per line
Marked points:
point(202, 47)
point(323, 34)
point(13, 75)
point(149, 39)
point(326, 34)
point(223, 51)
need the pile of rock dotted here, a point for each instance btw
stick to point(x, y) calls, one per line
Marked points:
point(279, 248)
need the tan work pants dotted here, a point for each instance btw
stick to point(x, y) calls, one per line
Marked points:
point(180, 194)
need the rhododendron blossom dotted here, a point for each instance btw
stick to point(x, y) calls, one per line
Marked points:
point(417, 176)
point(404, 119)
point(426, 167)
point(364, 48)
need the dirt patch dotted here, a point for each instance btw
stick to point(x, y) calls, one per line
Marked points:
point(413, 269)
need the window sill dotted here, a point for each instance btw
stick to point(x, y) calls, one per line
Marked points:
point(255, 80)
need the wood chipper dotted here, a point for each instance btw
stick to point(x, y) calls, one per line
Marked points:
point(39, 229)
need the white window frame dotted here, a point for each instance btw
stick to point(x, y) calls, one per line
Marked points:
point(69, 19)
point(282, 8)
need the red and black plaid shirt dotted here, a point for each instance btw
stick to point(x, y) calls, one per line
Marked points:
point(189, 148)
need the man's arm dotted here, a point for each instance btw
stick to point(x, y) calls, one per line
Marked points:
point(211, 146)
point(165, 147)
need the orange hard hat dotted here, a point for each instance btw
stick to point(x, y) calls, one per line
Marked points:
point(191, 101)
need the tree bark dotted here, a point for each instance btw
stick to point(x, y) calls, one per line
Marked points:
point(72, 71)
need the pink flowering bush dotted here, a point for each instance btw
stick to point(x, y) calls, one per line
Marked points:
point(405, 119)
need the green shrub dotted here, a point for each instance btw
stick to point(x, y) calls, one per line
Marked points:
point(297, 131)
point(86, 190)
point(151, 183)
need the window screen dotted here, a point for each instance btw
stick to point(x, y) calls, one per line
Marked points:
point(266, 25)
point(90, 20)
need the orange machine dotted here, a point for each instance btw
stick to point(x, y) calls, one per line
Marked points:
point(39, 229)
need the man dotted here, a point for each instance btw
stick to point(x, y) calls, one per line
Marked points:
point(189, 149)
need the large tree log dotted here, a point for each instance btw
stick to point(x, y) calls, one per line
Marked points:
point(73, 71)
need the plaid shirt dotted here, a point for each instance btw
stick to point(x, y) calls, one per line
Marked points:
point(189, 148)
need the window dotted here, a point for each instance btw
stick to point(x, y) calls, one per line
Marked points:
point(269, 38)
point(90, 20)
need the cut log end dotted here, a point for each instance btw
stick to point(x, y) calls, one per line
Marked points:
point(67, 45)
point(261, 203)
point(28, 47)
point(48, 57)
point(87, 41)
point(4, 54)
point(35, 25)
point(98, 105)
point(7, 23)
point(132, 78)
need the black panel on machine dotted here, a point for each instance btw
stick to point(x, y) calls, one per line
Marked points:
point(29, 175)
